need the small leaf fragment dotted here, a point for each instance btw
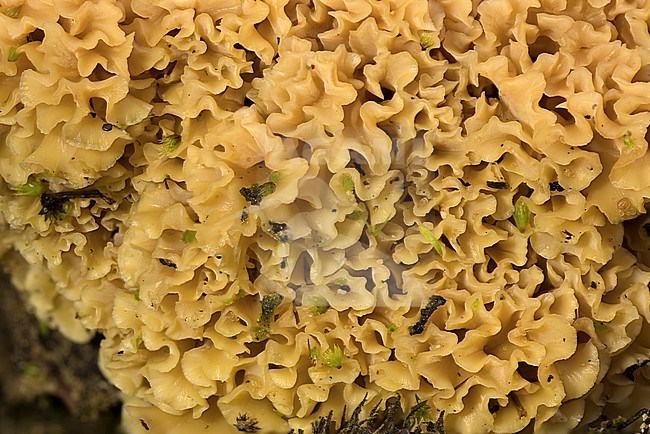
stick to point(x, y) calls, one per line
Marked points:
point(355, 215)
point(431, 239)
point(275, 176)
point(33, 187)
point(13, 55)
point(170, 143)
point(600, 326)
point(188, 236)
point(522, 215)
point(375, 230)
point(240, 294)
point(11, 12)
point(348, 184)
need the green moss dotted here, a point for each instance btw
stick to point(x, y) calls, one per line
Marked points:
point(417, 421)
point(314, 355)
point(246, 423)
point(274, 177)
point(269, 304)
point(317, 305)
point(256, 192)
point(56, 206)
point(419, 413)
point(435, 301)
point(618, 424)
point(32, 371)
point(628, 141)
point(333, 357)
point(44, 328)
point(427, 40)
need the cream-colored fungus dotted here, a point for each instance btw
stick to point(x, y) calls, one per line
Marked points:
point(356, 158)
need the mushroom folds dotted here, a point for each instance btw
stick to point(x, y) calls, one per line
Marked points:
point(286, 205)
